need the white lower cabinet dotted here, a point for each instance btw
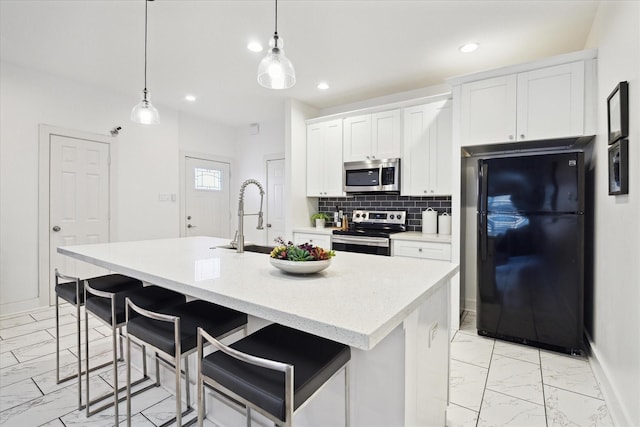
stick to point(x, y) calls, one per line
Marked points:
point(322, 240)
point(420, 249)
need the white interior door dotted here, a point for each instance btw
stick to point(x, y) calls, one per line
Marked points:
point(79, 202)
point(206, 198)
point(275, 200)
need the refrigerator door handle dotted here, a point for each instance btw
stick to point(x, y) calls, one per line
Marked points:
point(484, 169)
point(482, 228)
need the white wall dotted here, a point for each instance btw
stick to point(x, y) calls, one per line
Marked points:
point(146, 164)
point(615, 330)
point(252, 152)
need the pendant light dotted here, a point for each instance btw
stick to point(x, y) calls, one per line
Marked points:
point(144, 112)
point(275, 70)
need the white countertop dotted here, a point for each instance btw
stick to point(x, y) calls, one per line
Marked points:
point(355, 301)
point(421, 237)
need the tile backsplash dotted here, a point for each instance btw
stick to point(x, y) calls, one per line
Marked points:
point(413, 205)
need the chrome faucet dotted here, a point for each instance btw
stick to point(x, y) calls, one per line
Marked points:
point(241, 214)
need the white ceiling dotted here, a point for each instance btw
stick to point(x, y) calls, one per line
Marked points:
point(363, 49)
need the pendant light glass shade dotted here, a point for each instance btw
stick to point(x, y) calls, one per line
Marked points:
point(275, 70)
point(144, 112)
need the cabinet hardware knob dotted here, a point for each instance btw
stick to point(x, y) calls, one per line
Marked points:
point(510, 137)
point(56, 228)
point(522, 136)
point(419, 249)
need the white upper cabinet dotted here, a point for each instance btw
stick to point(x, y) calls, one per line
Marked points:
point(551, 102)
point(372, 136)
point(426, 160)
point(324, 159)
point(539, 104)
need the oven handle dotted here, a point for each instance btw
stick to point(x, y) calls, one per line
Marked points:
point(366, 241)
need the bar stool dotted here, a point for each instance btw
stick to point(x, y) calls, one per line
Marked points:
point(173, 334)
point(73, 293)
point(109, 307)
point(258, 371)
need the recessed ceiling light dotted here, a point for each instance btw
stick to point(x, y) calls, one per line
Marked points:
point(190, 98)
point(469, 47)
point(254, 46)
point(323, 86)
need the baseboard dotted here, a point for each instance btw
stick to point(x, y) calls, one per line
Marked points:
point(617, 411)
point(470, 305)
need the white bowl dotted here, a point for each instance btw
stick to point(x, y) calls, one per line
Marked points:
point(300, 267)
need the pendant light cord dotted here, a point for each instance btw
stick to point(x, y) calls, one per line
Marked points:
point(146, 2)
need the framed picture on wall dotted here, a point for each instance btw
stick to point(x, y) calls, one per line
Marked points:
point(618, 167)
point(618, 113)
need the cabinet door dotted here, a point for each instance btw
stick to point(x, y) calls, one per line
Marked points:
point(315, 163)
point(551, 102)
point(441, 146)
point(332, 159)
point(488, 111)
point(385, 135)
point(419, 131)
point(321, 240)
point(357, 138)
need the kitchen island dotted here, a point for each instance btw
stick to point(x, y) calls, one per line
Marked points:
point(393, 312)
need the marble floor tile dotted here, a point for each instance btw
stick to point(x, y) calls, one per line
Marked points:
point(47, 380)
point(45, 408)
point(501, 410)
point(166, 410)
point(103, 329)
point(53, 423)
point(29, 328)
point(7, 359)
point(22, 371)
point(467, 383)
point(517, 351)
point(565, 408)
point(472, 349)
point(516, 378)
point(15, 343)
point(18, 394)
point(10, 322)
point(569, 373)
point(71, 328)
point(140, 421)
point(457, 416)
point(50, 313)
point(45, 347)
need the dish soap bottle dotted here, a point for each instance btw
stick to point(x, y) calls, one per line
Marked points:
point(336, 217)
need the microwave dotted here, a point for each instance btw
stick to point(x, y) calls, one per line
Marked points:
point(372, 176)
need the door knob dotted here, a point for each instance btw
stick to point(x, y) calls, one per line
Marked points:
point(191, 226)
point(189, 217)
point(268, 225)
point(56, 228)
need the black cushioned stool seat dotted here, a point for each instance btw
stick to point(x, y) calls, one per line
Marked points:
point(73, 292)
point(149, 298)
point(108, 283)
point(172, 332)
point(315, 361)
point(213, 318)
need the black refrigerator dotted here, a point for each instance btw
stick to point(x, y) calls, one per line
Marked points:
point(531, 235)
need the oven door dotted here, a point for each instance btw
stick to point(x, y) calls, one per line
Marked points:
point(361, 244)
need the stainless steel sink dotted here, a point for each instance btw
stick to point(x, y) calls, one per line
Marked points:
point(252, 248)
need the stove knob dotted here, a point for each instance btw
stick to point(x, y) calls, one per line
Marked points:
point(364, 216)
point(391, 216)
point(357, 215)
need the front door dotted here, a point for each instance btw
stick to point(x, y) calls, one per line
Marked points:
point(206, 198)
point(79, 202)
point(275, 200)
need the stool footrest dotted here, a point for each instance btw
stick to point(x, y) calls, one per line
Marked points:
point(120, 399)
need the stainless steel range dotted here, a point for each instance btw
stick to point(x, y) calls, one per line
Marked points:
point(369, 232)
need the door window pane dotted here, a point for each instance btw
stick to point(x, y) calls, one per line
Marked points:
point(208, 179)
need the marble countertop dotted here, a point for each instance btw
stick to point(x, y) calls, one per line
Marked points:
point(355, 301)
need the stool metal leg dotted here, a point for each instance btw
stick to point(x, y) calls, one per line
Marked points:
point(200, 381)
